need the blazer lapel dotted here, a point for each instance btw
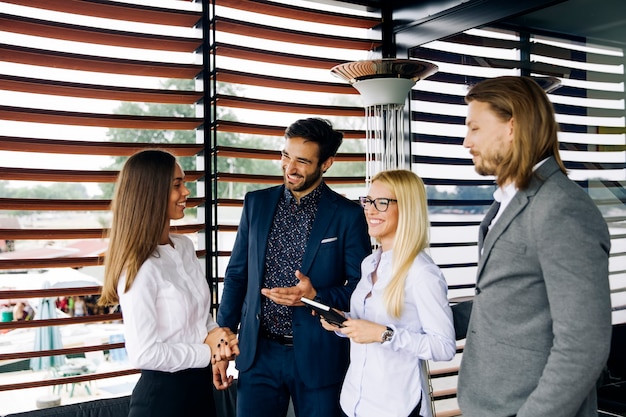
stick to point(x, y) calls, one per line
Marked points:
point(518, 203)
point(264, 219)
point(484, 224)
point(323, 217)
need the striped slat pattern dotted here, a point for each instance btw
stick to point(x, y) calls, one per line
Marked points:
point(70, 81)
point(271, 67)
point(591, 118)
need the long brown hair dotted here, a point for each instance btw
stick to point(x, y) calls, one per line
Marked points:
point(534, 126)
point(139, 208)
point(412, 233)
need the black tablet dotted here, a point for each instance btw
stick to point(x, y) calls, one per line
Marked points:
point(330, 315)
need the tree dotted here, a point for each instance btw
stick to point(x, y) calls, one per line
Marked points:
point(149, 135)
point(70, 191)
point(188, 163)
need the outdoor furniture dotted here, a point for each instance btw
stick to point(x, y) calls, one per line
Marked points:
point(74, 367)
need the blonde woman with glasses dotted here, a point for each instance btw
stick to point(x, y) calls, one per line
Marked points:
point(399, 313)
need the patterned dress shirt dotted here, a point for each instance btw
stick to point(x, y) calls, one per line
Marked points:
point(285, 248)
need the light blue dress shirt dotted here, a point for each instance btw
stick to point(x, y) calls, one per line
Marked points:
point(386, 379)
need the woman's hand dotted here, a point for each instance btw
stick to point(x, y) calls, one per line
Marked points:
point(223, 343)
point(221, 379)
point(362, 331)
point(326, 325)
point(329, 325)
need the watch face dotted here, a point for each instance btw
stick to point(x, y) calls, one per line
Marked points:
point(387, 335)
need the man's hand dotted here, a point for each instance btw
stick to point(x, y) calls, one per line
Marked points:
point(290, 296)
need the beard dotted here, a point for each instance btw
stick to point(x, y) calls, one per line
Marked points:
point(484, 170)
point(308, 182)
point(487, 164)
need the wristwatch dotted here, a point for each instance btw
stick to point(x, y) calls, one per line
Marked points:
point(387, 335)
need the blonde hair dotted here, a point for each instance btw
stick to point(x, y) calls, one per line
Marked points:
point(139, 208)
point(412, 234)
point(535, 128)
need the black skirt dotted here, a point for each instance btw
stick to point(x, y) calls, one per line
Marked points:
point(173, 394)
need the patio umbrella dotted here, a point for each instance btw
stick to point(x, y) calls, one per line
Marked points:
point(47, 337)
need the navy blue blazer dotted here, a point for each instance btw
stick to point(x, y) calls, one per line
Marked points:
point(332, 260)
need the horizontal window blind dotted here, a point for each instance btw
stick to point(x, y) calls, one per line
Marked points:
point(271, 65)
point(89, 83)
point(590, 111)
point(85, 85)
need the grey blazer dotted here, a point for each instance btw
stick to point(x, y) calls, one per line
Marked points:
point(540, 329)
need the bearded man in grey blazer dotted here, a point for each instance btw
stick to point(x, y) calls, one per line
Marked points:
point(540, 328)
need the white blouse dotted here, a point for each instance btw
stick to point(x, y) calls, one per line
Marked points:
point(167, 310)
point(386, 379)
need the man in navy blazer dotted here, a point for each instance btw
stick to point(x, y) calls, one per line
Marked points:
point(294, 240)
point(540, 328)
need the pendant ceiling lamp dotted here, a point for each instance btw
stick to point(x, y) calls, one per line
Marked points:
point(384, 85)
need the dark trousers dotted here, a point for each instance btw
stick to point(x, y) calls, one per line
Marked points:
point(265, 389)
point(416, 410)
point(173, 394)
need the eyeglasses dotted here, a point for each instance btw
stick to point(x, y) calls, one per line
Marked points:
point(380, 204)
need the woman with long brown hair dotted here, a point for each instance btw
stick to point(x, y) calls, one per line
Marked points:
point(162, 290)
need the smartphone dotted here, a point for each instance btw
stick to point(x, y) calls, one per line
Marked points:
point(330, 315)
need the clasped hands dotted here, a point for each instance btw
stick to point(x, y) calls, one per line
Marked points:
point(223, 343)
point(224, 347)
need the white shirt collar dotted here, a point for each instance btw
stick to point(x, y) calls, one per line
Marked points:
point(504, 195)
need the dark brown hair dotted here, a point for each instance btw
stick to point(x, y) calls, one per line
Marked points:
point(139, 209)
